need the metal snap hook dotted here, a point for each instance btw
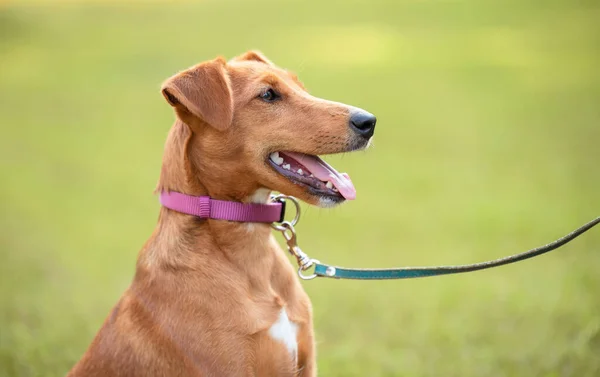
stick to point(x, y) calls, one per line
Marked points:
point(312, 262)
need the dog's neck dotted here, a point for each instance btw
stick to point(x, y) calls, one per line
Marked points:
point(184, 244)
point(176, 173)
point(179, 174)
point(181, 240)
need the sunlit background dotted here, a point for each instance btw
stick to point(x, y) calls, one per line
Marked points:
point(487, 144)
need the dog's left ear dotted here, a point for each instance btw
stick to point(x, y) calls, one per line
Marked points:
point(203, 92)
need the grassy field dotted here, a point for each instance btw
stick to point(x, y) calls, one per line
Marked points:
point(488, 144)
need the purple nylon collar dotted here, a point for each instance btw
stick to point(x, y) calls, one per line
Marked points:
point(207, 208)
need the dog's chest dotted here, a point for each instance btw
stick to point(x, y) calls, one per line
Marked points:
point(285, 332)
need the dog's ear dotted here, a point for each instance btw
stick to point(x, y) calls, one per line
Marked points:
point(253, 55)
point(204, 92)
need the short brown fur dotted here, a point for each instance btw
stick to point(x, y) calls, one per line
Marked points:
point(206, 292)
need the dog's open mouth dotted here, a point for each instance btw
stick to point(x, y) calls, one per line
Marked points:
point(314, 173)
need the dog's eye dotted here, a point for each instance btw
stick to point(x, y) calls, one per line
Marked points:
point(269, 95)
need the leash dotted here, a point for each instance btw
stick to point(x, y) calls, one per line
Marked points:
point(274, 213)
point(328, 271)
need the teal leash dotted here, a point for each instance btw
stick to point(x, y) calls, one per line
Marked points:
point(328, 271)
point(324, 270)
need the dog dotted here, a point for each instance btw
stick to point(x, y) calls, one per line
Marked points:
point(214, 297)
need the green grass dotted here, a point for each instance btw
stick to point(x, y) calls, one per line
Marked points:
point(488, 143)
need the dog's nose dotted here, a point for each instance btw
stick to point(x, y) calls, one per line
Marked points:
point(363, 123)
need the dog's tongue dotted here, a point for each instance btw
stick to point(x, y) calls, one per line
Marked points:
point(325, 172)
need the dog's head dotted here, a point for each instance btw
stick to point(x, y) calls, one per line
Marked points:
point(253, 128)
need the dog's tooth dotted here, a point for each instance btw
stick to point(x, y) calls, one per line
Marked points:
point(329, 185)
point(312, 176)
point(299, 171)
point(275, 158)
point(286, 166)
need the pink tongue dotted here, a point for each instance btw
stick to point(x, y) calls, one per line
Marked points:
point(326, 172)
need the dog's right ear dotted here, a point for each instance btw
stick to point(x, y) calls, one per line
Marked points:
point(253, 55)
point(202, 92)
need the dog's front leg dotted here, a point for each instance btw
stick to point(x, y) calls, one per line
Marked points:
point(309, 369)
point(307, 361)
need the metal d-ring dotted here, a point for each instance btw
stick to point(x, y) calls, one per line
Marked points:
point(282, 198)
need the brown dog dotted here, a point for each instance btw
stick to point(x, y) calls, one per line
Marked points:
point(215, 297)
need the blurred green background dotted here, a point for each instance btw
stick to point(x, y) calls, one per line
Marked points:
point(488, 143)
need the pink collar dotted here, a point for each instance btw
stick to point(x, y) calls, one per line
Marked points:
point(207, 208)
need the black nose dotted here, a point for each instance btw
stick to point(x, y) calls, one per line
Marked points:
point(363, 123)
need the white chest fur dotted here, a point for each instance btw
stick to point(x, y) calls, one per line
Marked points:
point(285, 331)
